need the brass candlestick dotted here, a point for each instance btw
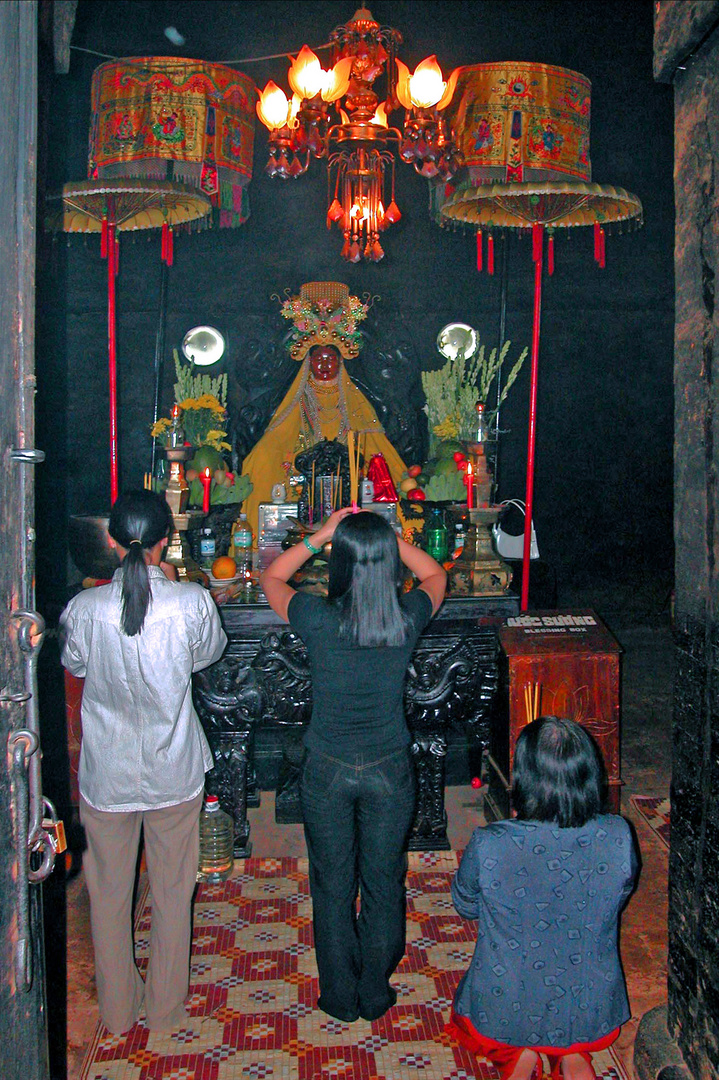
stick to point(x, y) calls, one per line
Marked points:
point(479, 571)
point(177, 495)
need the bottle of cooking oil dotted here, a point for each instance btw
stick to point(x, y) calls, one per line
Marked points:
point(216, 840)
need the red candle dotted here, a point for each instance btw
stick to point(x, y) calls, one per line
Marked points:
point(206, 481)
point(469, 481)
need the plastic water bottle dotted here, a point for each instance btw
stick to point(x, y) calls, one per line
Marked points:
point(436, 539)
point(242, 545)
point(460, 535)
point(207, 548)
point(216, 839)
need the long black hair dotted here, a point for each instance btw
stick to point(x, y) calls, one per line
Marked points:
point(364, 578)
point(138, 521)
point(559, 774)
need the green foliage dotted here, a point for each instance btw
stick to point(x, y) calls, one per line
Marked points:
point(452, 391)
point(447, 488)
point(221, 495)
point(194, 386)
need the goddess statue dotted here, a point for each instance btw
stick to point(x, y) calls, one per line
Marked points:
point(322, 403)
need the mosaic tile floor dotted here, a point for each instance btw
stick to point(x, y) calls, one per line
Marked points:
point(656, 814)
point(253, 981)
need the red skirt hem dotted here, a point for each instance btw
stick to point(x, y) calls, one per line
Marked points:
point(504, 1055)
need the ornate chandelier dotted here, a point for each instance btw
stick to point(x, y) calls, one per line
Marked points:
point(360, 148)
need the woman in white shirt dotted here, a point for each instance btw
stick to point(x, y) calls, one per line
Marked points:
point(136, 642)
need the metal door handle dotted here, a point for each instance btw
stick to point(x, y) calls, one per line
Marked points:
point(22, 746)
point(27, 455)
point(32, 840)
point(31, 632)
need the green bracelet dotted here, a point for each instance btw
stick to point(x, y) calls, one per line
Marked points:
point(311, 547)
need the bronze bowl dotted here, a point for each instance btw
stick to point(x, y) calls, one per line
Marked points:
point(90, 548)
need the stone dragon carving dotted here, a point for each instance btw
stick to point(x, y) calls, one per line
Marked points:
point(229, 700)
point(451, 682)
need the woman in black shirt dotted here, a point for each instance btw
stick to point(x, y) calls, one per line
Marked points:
point(358, 785)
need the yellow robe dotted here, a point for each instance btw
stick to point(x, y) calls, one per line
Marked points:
point(280, 443)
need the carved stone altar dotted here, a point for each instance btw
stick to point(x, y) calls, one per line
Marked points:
point(254, 705)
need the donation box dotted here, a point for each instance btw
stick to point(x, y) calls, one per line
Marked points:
point(554, 663)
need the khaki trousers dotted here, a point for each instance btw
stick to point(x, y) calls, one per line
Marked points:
point(172, 854)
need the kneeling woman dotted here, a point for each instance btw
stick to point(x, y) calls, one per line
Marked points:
point(546, 889)
point(358, 787)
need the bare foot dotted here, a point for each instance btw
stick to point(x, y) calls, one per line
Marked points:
point(526, 1064)
point(575, 1067)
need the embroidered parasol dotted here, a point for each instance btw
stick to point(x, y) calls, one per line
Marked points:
point(523, 129)
point(172, 118)
point(107, 208)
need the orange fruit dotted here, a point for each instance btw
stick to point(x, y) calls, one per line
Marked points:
point(224, 567)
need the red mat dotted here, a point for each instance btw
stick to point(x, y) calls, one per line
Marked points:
point(656, 814)
point(252, 1012)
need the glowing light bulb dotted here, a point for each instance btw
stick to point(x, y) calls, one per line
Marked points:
point(380, 116)
point(273, 107)
point(306, 76)
point(426, 86)
point(337, 80)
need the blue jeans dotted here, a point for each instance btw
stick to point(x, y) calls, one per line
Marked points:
point(357, 820)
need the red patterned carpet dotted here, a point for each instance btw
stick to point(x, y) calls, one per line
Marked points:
point(252, 1012)
point(656, 814)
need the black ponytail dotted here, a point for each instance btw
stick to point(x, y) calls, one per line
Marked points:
point(138, 521)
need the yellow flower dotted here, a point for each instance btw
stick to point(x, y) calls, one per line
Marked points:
point(216, 439)
point(160, 427)
point(448, 428)
point(204, 401)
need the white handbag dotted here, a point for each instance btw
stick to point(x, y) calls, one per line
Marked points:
point(512, 547)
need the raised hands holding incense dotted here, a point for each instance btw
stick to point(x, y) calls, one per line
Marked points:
point(275, 578)
point(326, 531)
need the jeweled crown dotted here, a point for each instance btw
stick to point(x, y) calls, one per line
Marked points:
point(325, 314)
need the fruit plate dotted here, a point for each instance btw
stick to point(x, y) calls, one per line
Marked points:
point(222, 582)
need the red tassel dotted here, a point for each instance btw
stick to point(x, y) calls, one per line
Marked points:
point(490, 254)
point(111, 248)
point(597, 242)
point(170, 247)
point(103, 238)
point(163, 247)
point(537, 240)
point(550, 254)
point(479, 250)
point(602, 250)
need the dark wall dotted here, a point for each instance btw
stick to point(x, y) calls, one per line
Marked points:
point(687, 52)
point(603, 486)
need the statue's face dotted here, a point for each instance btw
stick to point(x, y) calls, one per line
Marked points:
point(324, 362)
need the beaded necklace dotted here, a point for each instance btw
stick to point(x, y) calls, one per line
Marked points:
point(314, 412)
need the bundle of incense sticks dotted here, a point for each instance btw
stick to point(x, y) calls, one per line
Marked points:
point(532, 700)
point(353, 451)
point(336, 489)
point(311, 500)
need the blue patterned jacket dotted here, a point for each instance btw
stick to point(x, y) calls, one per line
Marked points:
point(546, 968)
